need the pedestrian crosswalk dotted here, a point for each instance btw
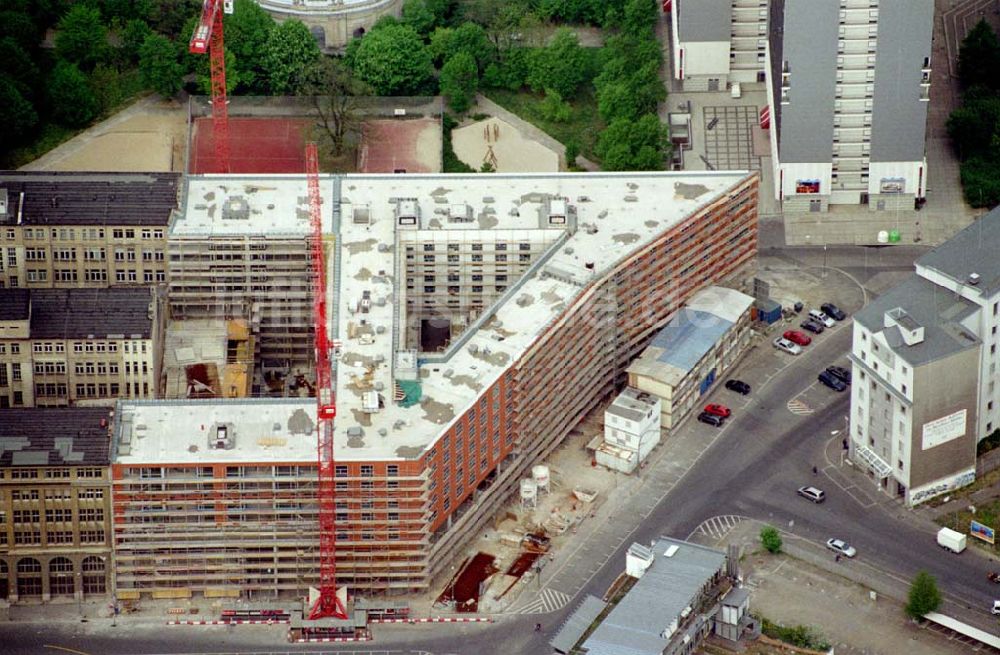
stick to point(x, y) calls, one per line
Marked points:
point(548, 600)
point(799, 407)
point(717, 527)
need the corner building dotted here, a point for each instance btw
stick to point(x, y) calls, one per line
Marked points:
point(442, 407)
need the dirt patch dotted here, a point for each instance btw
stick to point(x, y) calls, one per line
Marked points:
point(149, 136)
point(465, 588)
point(502, 145)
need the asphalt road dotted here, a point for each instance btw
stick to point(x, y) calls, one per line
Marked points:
point(752, 470)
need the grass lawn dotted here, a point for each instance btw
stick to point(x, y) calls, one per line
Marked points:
point(584, 125)
point(986, 513)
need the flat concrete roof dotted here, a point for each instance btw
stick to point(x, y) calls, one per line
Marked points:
point(616, 214)
point(179, 431)
point(275, 205)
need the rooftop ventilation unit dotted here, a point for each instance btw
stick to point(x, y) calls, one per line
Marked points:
point(221, 437)
point(235, 208)
point(460, 213)
point(362, 215)
point(974, 279)
point(407, 212)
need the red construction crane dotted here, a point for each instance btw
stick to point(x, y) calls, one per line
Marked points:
point(207, 37)
point(329, 603)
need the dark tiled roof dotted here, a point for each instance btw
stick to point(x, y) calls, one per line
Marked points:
point(14, 305)
point(90, 198)
point(973, 250)
point(54, 436)
point(79, 313)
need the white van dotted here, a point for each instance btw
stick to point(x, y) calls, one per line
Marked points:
point(951, 540)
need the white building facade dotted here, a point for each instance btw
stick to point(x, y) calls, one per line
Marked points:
point(631, 430)
point(924, 356)
point(715, 43)
point(849, 86)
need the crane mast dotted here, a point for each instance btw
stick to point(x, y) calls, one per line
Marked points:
point(207, 37)
point(329, 604)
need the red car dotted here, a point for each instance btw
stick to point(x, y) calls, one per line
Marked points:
point(717, 410)
point(797, 337)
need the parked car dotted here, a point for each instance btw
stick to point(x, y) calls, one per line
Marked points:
point(711, 419)
point(717, 410)
point(833, 311)
point(739, 386)
point(784, 344)
point(831, 381)
point(812, 493)
point(797, 337)
point(996, 607)
point(842, 547)
point(821, 317)
point(813, 326)
point(839, 372)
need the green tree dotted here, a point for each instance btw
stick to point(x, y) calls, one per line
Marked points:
point(572, 152)
point(554, 108)
point(203, 73)
point(419, 16)
point(17, 115)
point(510, 73)
point(19, 26)
point(17, 65)
point(334, 90)
point(770, 538)
point(562, 65)
point(459, 81)
point(979, 57)
point(639, 145)
point(980, 182)
point(132, 35)
point(974, 127)
point(247, 31)
point(467, 37)
point(70, 96)
point(107, 84)
point(924, 596)
point(81, 37)
point(159, 67)
point(169, 16)
point(590, 12)
point(289, 52)
point(394, 61)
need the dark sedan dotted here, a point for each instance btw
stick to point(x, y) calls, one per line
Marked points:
point(739, 386)
point(812, 326)
point(839, 372)
point(833, 311)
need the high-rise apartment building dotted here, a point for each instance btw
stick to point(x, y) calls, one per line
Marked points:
point(94, 230)
point(849, 86)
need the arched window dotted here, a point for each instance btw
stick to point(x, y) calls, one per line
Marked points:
point(94, 577)
point(29, 577)
point(61, 577)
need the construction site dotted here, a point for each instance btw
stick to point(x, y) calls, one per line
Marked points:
point(472, 322)
point(361, 371)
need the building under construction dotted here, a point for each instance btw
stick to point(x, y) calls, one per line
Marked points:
point(476, 320)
